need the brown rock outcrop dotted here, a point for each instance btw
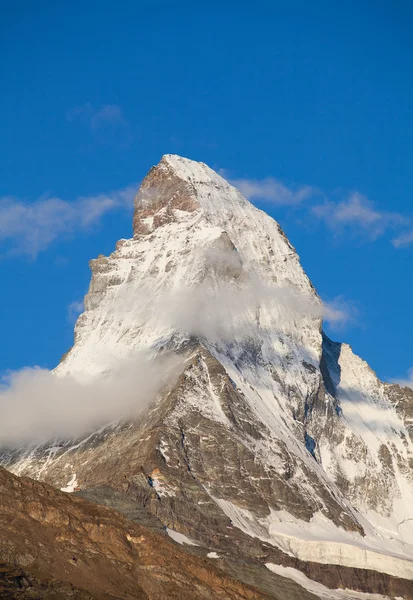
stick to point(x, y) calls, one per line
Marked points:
point(55, 546)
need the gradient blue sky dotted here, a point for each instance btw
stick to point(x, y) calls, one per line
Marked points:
point(308, 105)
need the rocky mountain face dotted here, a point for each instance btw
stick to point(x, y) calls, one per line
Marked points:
point(268, 443)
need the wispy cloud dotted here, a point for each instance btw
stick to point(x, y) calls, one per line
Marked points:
point(352, 214)
point(339, 312)
point(272, 190)
point(357, 211)
point(228, 311)
point(405, 381)
point(74, 309)
point(360, 215)
point(107, 123)
point(403, 240)
point(98, 117)
point(30, 228)
point(109, 114)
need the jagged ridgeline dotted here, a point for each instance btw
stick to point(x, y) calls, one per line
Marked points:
point(260, 439)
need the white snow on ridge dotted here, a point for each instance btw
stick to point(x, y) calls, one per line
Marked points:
point(321, 541)
point(161, 487)
point(318, 589)
point(120, 315)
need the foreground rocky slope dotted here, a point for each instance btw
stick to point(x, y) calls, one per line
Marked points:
point(267, 441)
point(54, 546)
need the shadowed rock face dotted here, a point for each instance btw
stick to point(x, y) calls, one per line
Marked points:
point(17, 584)
point(270, 426)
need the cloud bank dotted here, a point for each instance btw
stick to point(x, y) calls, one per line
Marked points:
point(230, 304)
point(38, 405)
point(228, 313)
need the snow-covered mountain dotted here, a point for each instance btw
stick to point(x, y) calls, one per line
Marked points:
point(268, 441)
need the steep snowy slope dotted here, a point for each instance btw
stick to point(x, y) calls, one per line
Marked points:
point(270, 439)
point(192, 227)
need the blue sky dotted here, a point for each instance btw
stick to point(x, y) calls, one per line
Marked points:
point(308, 106)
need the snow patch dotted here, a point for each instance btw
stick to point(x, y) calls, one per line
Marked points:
point(161, 487)
point(180, 538)
point(323, 592)
point(321, 541)
point(71, 486)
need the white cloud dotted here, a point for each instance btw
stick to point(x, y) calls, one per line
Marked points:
point(403, 240)
point(356, 211)
point(339, 312)
point(355, 214)
point(227, 312)
point(74, 309)
point(359, 214)
point(272, 190)
point(38, 405)
point(228, 305)
point(30, 228)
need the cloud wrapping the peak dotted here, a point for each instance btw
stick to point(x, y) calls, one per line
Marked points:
point(227, 307)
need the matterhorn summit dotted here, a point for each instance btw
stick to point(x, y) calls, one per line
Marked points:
point(259, 440)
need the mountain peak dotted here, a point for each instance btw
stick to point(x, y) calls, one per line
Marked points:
point(192, 170)
point(275, 443)
point(177, 187)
